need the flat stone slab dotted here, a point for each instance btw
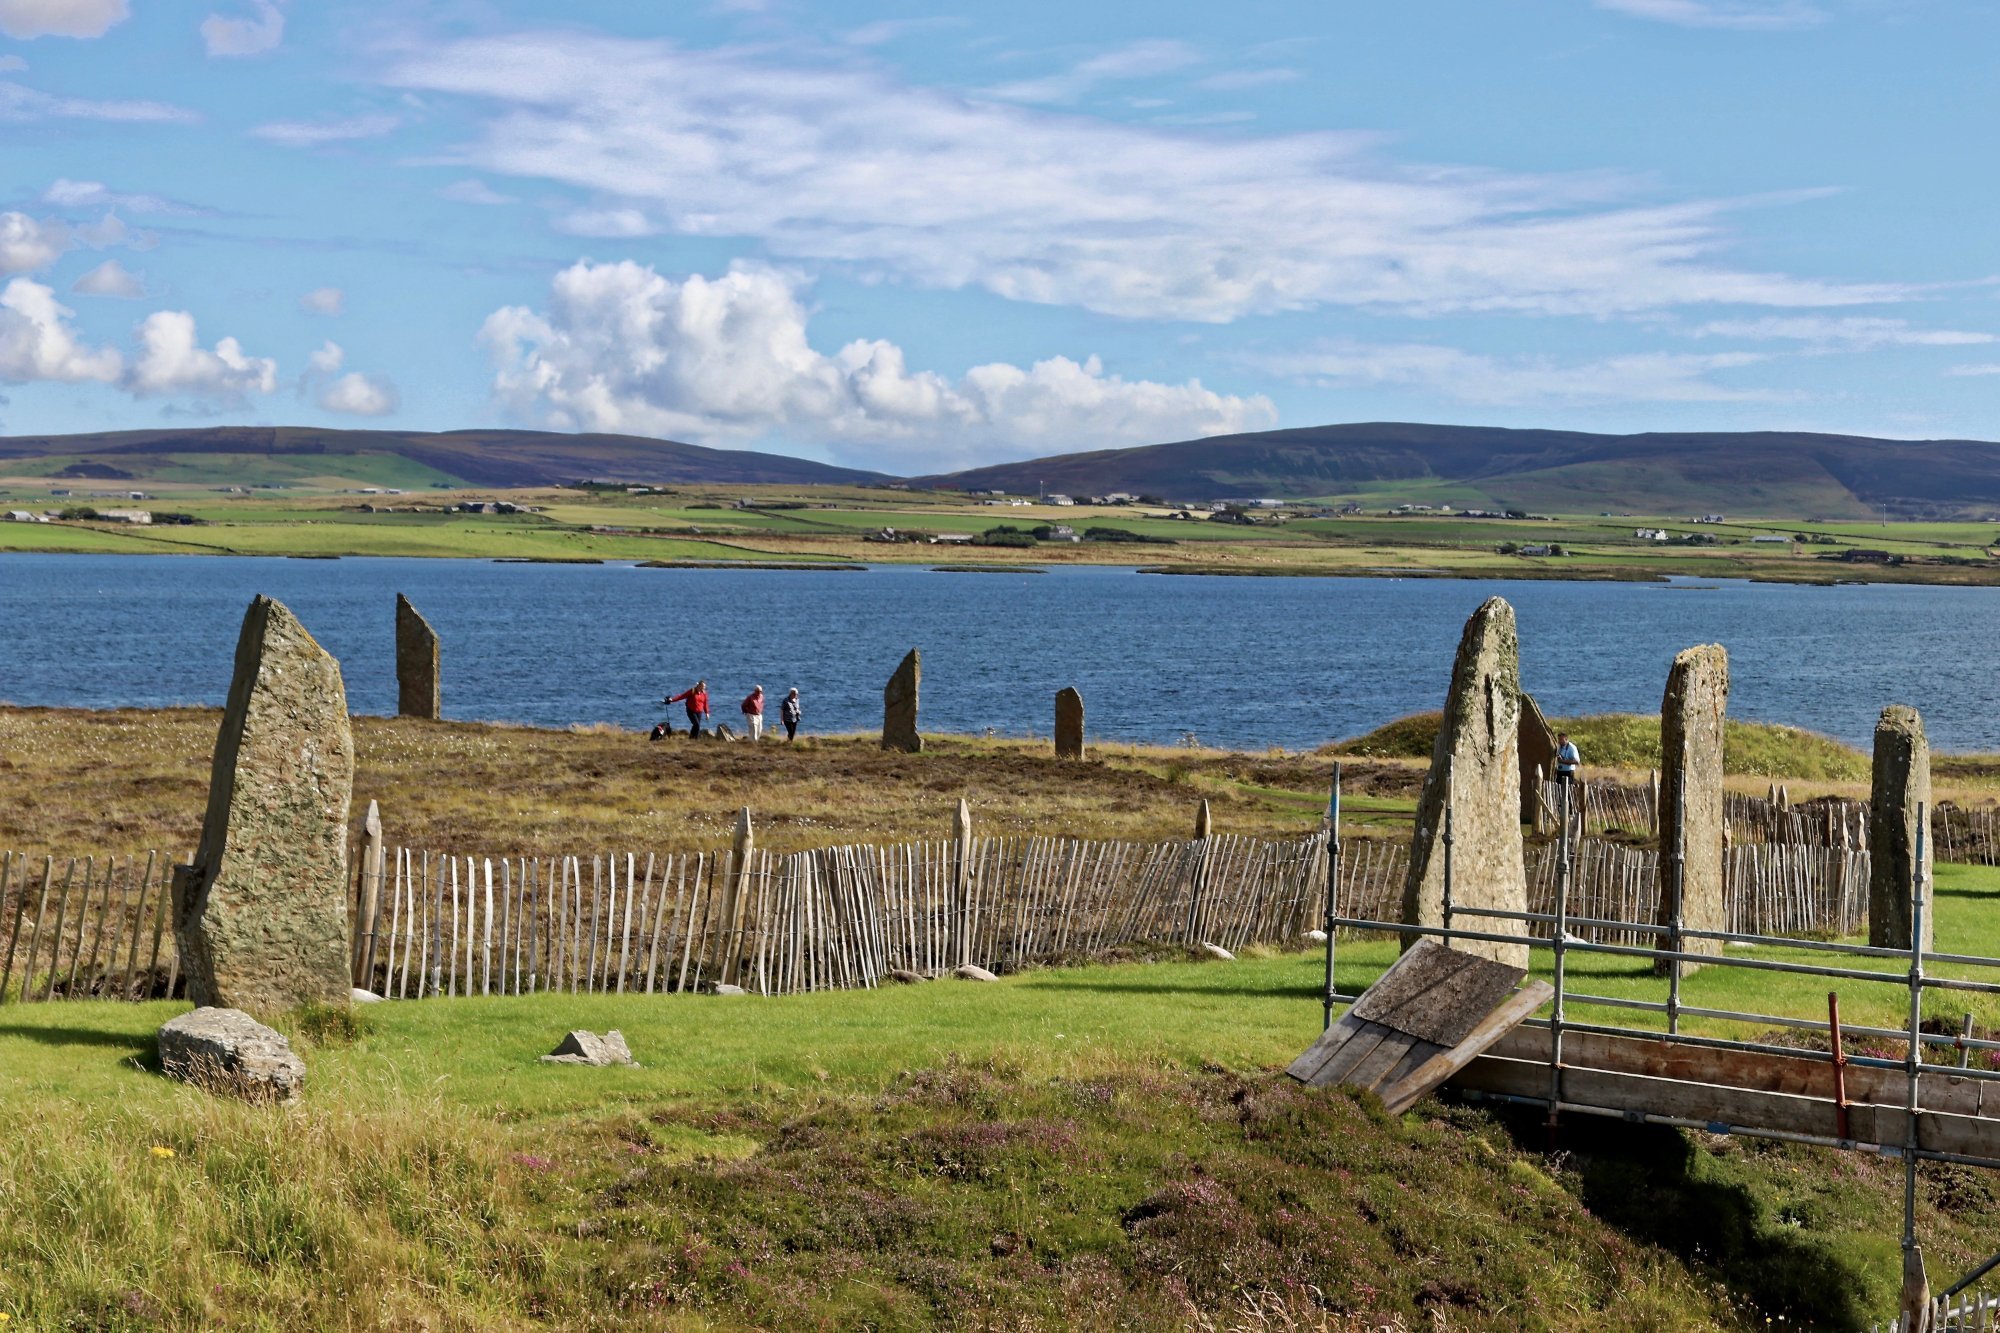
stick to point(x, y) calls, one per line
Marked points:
point(973, 972)
point(905, 976)
point(1216, 951)
point(227, 1051)
point(581, 1047)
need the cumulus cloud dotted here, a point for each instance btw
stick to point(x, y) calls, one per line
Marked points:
point(1467, 377)
point(846, 165)
point(353, 394)
point(173, 361)
point(37, 342)
point(61, 18)
point(255, 34)
point(26, 244)
point(324, 301)
point(1742, 14)
point(311, 134)
point(110, 278)
point(19, 102)
point(622, 348)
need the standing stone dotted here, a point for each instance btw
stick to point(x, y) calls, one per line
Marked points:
point(899, 706)
point(1902, 783)
point(1538, 757)
point(417, 691)
point(1478, 754)
point(1069, 723)
point(260, 918)
point(1689, 794)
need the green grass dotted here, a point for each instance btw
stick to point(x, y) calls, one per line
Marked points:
point(1632, 741)
point(1097, 1147)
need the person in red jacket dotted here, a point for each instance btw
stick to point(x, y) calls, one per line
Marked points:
point(753, 713)
point(697, 705)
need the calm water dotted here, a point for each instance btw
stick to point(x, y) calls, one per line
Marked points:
point(1244, 662)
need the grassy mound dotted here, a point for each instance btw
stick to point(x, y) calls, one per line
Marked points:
point(1632, 740)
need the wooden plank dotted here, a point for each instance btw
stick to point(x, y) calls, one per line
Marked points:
point(1414, 1085)
point(1436, 993)
point(1362, 1039)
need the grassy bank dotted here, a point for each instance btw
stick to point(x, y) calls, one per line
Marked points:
point(1103, 1147)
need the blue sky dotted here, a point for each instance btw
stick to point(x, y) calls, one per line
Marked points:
point(915, 238)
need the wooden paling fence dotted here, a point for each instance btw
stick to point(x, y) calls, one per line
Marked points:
point(86, 927)
point(825, 918)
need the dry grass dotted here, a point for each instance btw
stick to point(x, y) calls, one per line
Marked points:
point(75, 782)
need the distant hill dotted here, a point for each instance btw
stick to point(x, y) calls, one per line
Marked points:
point(1766, 473)
point(248, 455)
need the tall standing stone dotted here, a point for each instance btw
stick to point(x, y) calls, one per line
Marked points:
point(261, 916)
point(1069, 723)
point(1538, 756)
point(899, 706)
point(1690, 794)
point(1901, 785)
point(1477, 757)
point(417, 692)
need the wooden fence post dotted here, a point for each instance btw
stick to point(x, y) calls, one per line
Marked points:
point(367, 919)
point(1204, 830)
point(961, 879)
point(733, 905)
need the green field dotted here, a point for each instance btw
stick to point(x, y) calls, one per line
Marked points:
point(315, 517)
point(1097, 1147)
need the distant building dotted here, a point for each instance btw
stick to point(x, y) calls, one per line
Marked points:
point(1770, 538)
point(1709, 518)
point(1650, 534)
point(1061, 532)
point(23, 516)
point(1057, 500)
point(952, 539)
point(1537, 550)
point(125, 515)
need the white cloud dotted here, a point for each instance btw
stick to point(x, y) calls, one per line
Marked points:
point(1742, 14)
point(254, 35)
point(1848, 333)
point(65, 193)
point(12, 64)
point(61, 18)
point(324, 301)
point(475, 192)
point(844, 165)
point(1238, 80)
point(26, 245)
point(359, 395)
point(1467, 377)
point(621, 348)
point(353, 394)
point(37, 343)
point(1983, 368)
point(613, 223)
point(311, 134)
point(110, 278)
point(21, 103)
point(172, 360)
point(1134, 60)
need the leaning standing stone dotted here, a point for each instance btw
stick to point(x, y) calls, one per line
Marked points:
point(261, 916)
point(226, 1050)
point(1069, 723)
point(417, 690)
point(1902, 785)
point(899, 706)
point(1690, 794)
point(1477, 756)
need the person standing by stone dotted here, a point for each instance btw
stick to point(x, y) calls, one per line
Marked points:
point(789, 713)
point(696, 697)
point(753, 713)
